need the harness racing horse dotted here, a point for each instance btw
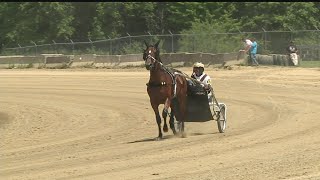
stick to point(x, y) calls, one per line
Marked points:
point(164, 87)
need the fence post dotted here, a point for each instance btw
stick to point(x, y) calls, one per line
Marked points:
point(110, 47)
point(171, 41)
point(19, 48)
point(72, 46)
point(264, 38)
point(240, 34)
point(239, 30)
point(150, 36)
point(318, 35)
point(55, 47)
point(291, 36)
point(129, 39)
point(193, 42)
point(36, 47)
point(92, 49)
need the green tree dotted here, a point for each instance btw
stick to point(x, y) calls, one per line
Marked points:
point(276, 15)
point(42, 22)
point(108, 19)
point(37, 21)
point(7, 20)
point(84, 20)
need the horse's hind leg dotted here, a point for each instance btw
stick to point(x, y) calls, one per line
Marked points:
point(164, 116)
point(181, 114)
point(171, 122)
point(183, 111)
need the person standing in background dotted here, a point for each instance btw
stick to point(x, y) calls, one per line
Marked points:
point(247, 46)
point(253, 52)
point(292, 50)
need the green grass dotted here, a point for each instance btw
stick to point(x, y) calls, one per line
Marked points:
point(310, 64)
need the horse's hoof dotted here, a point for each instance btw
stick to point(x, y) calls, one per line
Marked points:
point(158, 138)
point(183, 135)
point(165, 129)
point(178, 133)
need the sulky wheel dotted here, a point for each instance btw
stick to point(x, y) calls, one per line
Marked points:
point(222, 117)
point(179, 125)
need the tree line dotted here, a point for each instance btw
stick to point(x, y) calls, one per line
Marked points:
point(43, 22)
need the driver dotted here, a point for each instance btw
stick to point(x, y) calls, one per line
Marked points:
point(198, 74)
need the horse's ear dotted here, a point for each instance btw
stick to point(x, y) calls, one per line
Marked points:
point(146, 43)
point(156, 45)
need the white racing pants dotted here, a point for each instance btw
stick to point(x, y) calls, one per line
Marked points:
point(294, 58)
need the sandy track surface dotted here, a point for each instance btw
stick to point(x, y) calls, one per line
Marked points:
point(98, 124)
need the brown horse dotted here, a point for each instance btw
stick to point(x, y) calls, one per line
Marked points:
point(164, 87)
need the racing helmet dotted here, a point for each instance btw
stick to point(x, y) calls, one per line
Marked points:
point(200, 66)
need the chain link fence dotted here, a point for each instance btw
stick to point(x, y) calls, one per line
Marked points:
point(269, 42)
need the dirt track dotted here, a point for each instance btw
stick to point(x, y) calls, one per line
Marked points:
point(98, 124)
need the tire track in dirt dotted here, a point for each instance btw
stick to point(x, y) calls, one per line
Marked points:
point(58, 145)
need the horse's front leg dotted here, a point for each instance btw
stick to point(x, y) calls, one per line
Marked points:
point(158, 119)
point(165, 112)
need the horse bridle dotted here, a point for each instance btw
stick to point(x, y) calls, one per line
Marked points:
point(151, 66)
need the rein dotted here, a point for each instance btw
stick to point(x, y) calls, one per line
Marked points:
point(149, 56)
point(188, 77)
point(167, 71)
point(172, 76)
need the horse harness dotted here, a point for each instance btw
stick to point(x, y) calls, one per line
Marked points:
point(172, 75)
point(201, 80)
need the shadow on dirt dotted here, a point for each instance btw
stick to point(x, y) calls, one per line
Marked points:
point(171, 137)
point(202, 134)
point(154, 139)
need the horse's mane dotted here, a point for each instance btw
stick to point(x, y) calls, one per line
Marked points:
point(157, 53)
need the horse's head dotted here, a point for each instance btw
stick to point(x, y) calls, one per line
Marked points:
point(151, 55)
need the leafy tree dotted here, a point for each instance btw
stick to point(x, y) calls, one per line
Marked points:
point(302, 15)
point(37, 21)
point(181, 15)
point(7, 21)
point(42, 22)
point(276, 15)
point(84, 15)
point(108, 19)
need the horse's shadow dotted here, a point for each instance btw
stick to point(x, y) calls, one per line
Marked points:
point(202, 134)
point(169, 137)
point(153, 139)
